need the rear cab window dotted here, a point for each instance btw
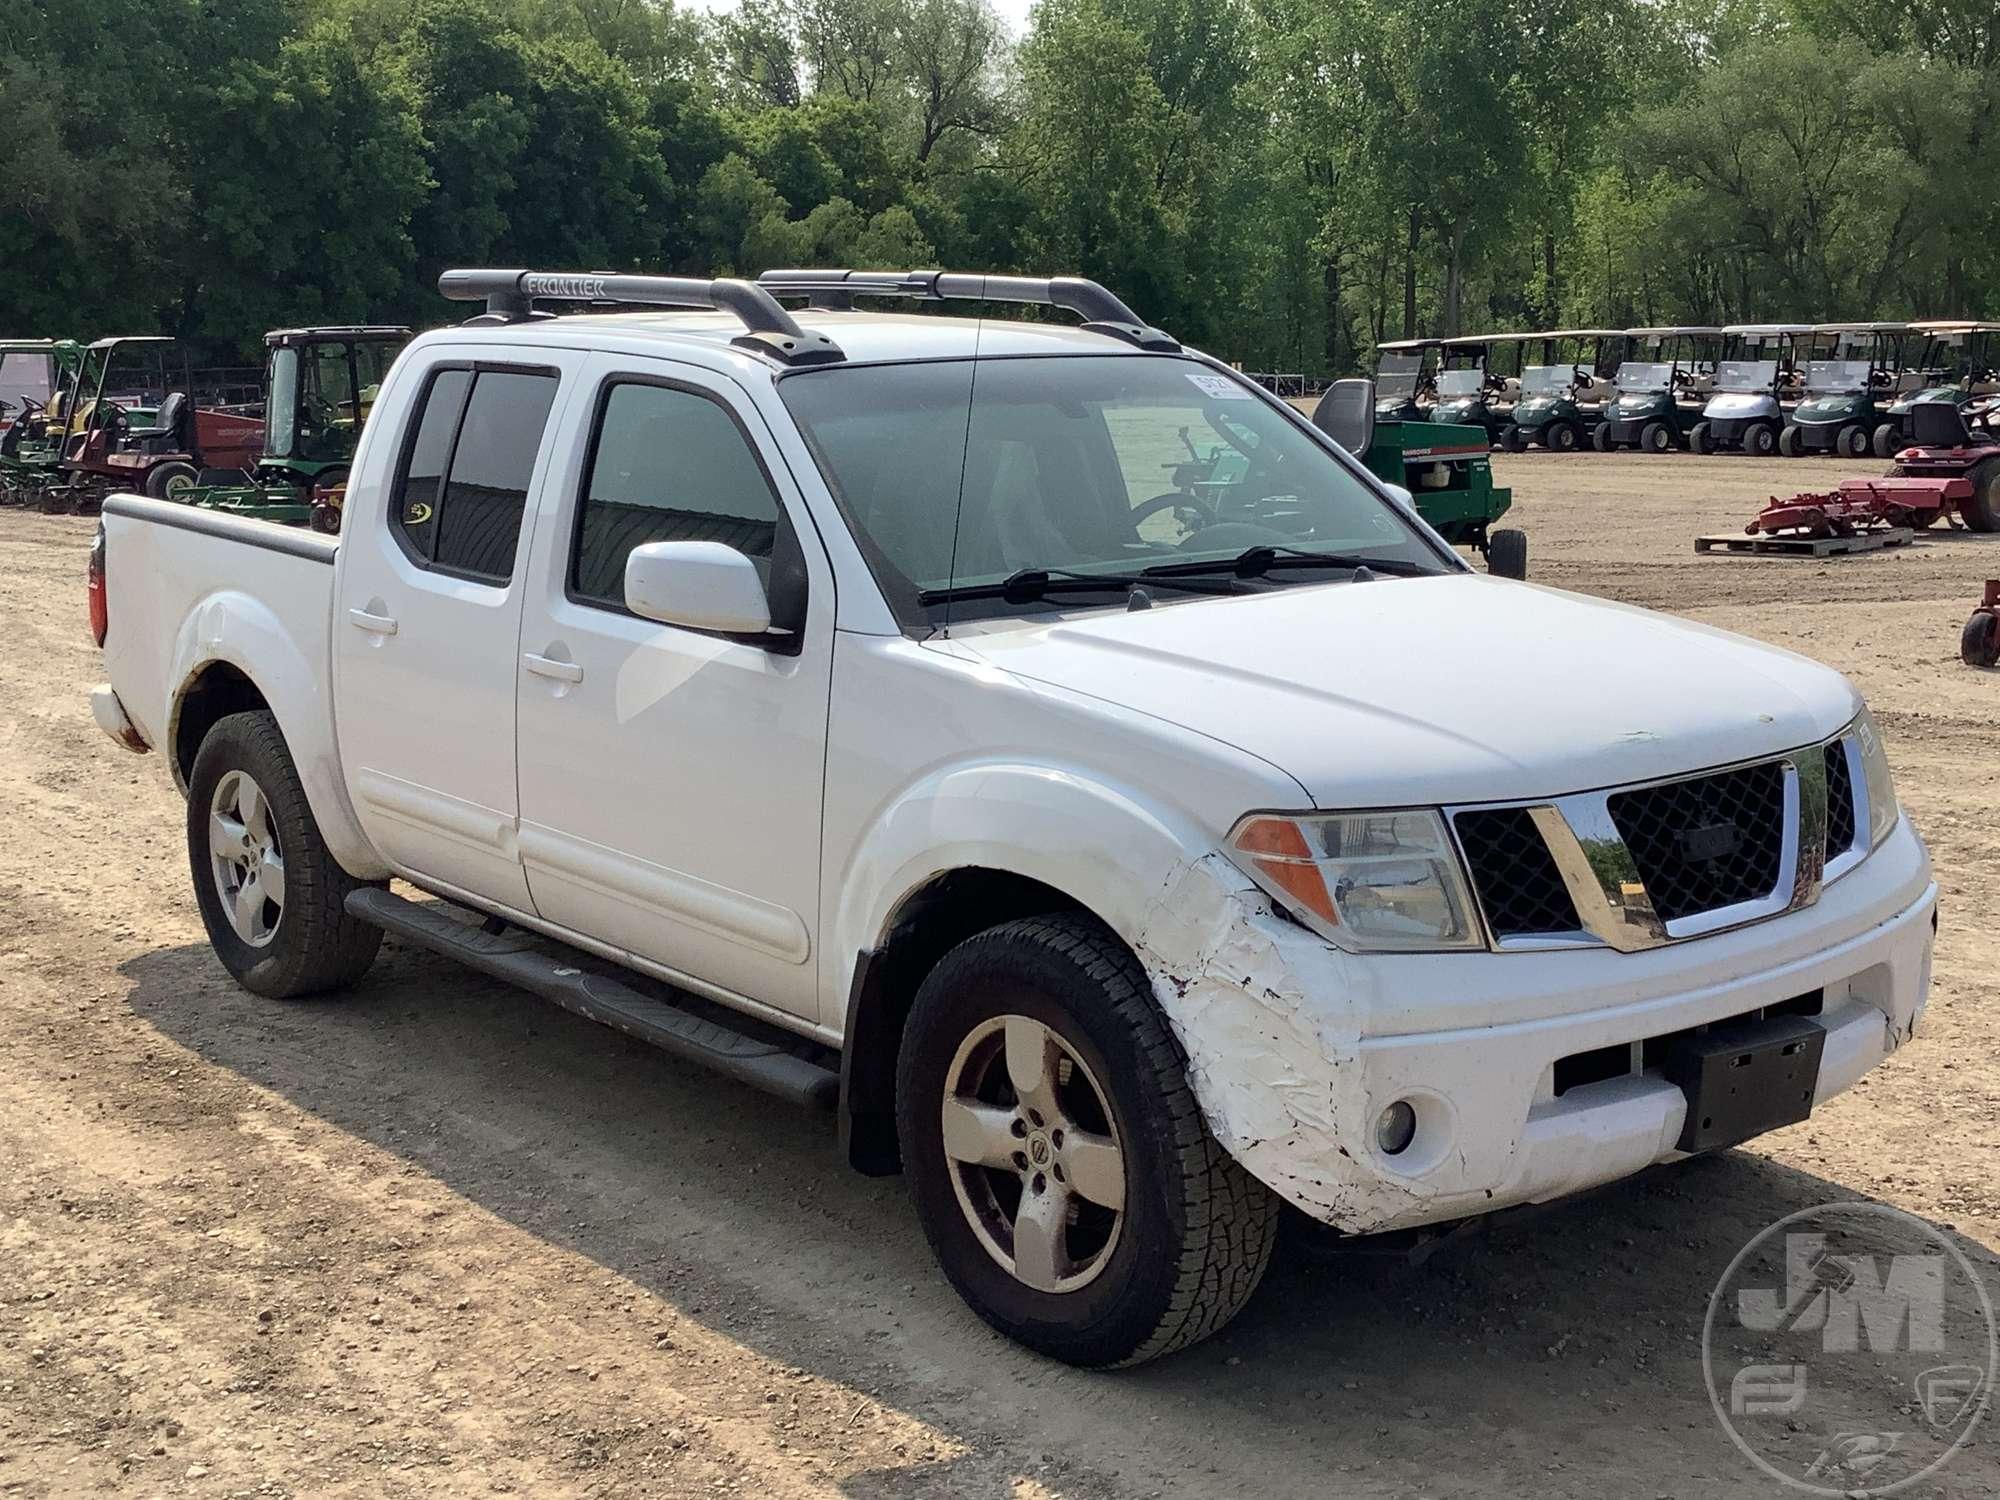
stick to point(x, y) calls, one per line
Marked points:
point(463, 483)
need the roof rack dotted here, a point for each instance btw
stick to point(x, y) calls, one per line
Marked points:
point(1100, 308)
point(767, 328)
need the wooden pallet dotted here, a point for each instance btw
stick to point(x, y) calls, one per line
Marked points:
point(1805, 546)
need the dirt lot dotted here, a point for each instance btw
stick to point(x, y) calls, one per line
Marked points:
point(438, 1238)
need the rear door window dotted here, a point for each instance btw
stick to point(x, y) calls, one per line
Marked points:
point(465, 480)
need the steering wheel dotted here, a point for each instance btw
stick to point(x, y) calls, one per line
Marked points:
point(1175, 500)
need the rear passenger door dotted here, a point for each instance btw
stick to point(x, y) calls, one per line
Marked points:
point(427, 626)
point(671, 778)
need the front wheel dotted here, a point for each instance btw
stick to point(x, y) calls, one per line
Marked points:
point(1852, 441)
point(1789, 443)
point(271, 896)
point(1698, 438)
point(1057, 1158)
point(1979, 642)
point(1563, 437)
point(1600, 437)
point(1507, 553)
point(1760, 440)
point(1888, 439)
point(1656, 437)
point(1514, 440)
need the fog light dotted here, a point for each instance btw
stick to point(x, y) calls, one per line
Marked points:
point(1396, 1128)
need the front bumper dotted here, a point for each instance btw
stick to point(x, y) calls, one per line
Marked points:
point(1294, 1048)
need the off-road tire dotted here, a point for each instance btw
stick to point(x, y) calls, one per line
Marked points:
point(1982, 511)
point(161, 479)
point(1979, 642)
point(316, 945)
point(1198, 1229)
point(1507, 553)
point(1698, 438)
point(1790, 444)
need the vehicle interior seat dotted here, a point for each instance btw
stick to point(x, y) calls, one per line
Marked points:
point(167, 434)
point(1939, 424)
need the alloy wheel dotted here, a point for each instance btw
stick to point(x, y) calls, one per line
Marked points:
point(244, 857)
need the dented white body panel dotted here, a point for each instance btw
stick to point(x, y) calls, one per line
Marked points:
point(1105, 754)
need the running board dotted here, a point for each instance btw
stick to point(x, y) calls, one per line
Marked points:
point(519, 959)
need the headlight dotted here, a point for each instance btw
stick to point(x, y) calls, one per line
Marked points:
point(1881, 786)
point(1366, 880)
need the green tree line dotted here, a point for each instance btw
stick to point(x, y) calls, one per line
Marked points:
point(1285, 182)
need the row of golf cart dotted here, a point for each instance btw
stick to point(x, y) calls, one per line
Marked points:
point(1845, 389)
point(80, 421)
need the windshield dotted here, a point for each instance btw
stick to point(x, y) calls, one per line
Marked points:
point(28, 373)
point(1397, 374)
point(1746, 375)
point(1643, 377)
point(954, 474)
point(1546, 380)
point(1830, 375)
point(1461, 382)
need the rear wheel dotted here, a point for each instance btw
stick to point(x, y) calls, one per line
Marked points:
point(1888, 438)
point(271, 896)
point(1789, 443)
point(1982, 511)
point(1057, 1158)
point(1656, 437)
point(171, 481)
point(1852, 441)
point(1600, 437)
point(1514, 440)
point(1979, 642)
point(1507, 553)
point(1760, 439)
point(1698, 438)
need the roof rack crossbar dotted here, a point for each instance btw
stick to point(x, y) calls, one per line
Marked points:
point(510, 296)
point(1100, 308)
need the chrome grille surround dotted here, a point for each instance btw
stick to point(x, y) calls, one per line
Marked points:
point(1604, 883)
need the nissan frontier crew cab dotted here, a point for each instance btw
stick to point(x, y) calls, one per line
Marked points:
point(854, 702)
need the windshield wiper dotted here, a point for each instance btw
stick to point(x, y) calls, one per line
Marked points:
point(1031, 584)
point(1254, 562)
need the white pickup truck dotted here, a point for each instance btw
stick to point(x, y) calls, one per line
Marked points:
point(886, 710)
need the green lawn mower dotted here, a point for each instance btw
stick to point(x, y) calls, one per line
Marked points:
point(1852, 366)
point(33, 376)
point(319, 384)
point(1959, 362)
point(1660, 389)
point(1559, 395)
point(1444, 469)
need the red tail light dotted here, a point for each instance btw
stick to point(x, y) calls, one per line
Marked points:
point(100, 608)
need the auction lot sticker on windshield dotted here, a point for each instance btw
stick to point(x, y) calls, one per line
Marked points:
point(1219, 387)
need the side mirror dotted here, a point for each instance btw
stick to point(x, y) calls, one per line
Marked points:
point(699, 585)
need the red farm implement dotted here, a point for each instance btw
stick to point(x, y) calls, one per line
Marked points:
point(1863, 505)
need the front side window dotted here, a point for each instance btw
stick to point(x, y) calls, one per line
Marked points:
point(465, 480)
point(958, 476)
point(668, 465)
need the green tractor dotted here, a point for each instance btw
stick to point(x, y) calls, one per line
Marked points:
point(1852, 366)
point(1660, 390)
point(1959, 362)
point(34, 375)
point(319, 385)
point(1443, 469)
point(1406, 372)
point(1561, 395)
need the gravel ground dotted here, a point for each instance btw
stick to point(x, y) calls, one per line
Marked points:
point(438, 1238)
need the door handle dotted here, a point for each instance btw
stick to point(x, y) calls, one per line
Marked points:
point(375, 624)
point(548, 666)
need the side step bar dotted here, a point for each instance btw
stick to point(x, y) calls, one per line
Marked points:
point(520, 959)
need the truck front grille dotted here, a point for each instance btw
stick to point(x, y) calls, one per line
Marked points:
point(1706, 843)
point(1634, 867)
point(1516, 877)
